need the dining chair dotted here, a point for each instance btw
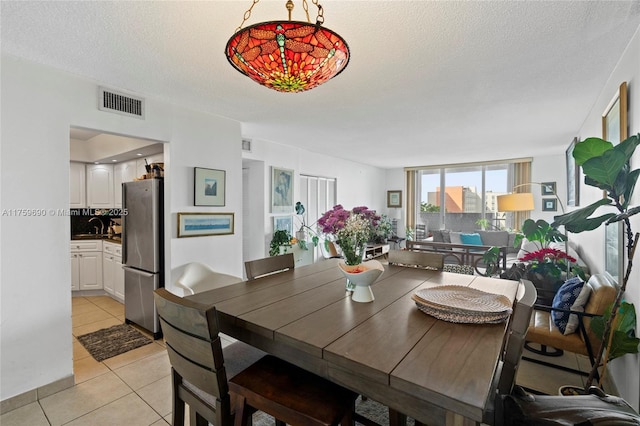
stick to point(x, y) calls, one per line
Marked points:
point(512, 347)
point(329, 250)
point(198, 277)
point(269, 265)
point(416, 259)
point(215, 394)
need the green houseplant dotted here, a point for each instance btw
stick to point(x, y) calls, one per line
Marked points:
point(607, 167)
point(301, 233)
point(281, 238)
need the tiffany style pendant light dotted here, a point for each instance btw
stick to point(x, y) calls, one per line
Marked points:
point(288, 56)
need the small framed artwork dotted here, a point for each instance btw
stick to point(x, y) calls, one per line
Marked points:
point(615, 130)
point(549, 205)
point(573, 176)
point(283, 223)
point(281, 190)
point(548, 188)
point(614, 118)
point(208, 187)
point(394, 198)
point(203, 224)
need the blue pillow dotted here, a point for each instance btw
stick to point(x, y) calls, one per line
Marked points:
point(471, 239)
point(564, 299)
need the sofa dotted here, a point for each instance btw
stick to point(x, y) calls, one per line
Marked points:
point(468, 248)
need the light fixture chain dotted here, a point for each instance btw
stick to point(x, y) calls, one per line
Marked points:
point(320, 17)
point(305, 6)
point(247, 15)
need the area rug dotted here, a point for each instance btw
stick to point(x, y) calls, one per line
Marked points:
point(112, 341)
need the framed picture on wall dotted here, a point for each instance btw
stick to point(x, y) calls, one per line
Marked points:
point(614, 130)
point(549, 205)
point(548, 188)
point(203, 224)
point(208, 187)
point(573, 176)
point(281, 190)
point(283, 223)
point(394, 198)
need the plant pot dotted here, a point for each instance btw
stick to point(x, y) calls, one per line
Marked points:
point(571, 390)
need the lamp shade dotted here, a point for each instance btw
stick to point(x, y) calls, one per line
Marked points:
point(518, 202)
point(288, 56)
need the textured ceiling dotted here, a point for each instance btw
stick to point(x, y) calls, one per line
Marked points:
point(427, 83)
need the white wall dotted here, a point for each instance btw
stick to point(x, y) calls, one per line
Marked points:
point(357, 184)
point(626, 370)
point(549, 168)
point(38, 107)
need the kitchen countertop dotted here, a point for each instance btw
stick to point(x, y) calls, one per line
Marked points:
point(115, 240)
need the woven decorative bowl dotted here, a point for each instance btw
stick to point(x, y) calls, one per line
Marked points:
point(463, 304)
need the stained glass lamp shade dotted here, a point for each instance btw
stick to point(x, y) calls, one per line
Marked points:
point(288, 56)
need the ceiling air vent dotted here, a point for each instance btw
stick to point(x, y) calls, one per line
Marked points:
point(120, 103)
point(246, 145)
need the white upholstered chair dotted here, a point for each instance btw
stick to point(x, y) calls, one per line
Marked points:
point(198, 277)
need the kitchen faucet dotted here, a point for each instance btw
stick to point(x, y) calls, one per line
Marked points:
point(101, 224)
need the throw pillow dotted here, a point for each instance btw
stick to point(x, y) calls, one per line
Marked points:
point(578, 306)
point(564, 299)
point(494, 238)
point(437, 236)
point(471, 239)
point(455, 237)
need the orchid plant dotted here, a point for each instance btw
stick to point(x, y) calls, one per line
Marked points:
point(350, 229)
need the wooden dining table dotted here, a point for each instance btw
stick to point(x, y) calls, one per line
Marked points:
point(437, 372)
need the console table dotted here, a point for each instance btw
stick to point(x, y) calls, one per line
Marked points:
point(376, 250)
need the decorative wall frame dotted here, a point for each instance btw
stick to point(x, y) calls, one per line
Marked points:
point(573, 176)
point(281, 190)
point(549, 205)
point(283, 222)
point(615, 130)
point(203, 224)
point(548, 188)
point(208, 187)
point(394, 199)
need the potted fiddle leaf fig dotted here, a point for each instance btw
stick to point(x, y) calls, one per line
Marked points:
point(607, 166)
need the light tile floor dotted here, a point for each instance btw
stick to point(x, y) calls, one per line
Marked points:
point(135, 388)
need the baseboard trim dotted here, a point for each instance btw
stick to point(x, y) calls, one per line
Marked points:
point(34, 395)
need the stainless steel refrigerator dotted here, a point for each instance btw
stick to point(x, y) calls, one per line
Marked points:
point(142, 251)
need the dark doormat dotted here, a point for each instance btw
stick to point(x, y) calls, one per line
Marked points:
point(112, 341)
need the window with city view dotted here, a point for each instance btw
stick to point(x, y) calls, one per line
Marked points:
point(468, 200)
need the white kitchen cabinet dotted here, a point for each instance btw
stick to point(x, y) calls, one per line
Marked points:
point(118, 279)
point(86, 265)
point(75, 272)
point(123, 172)
point(89, 270)
point(77, 185)
point(100, 186)
point(108, 272)
point(112, 270)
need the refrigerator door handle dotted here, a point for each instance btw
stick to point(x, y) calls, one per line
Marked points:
point(138, 271)
point(123, 233)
